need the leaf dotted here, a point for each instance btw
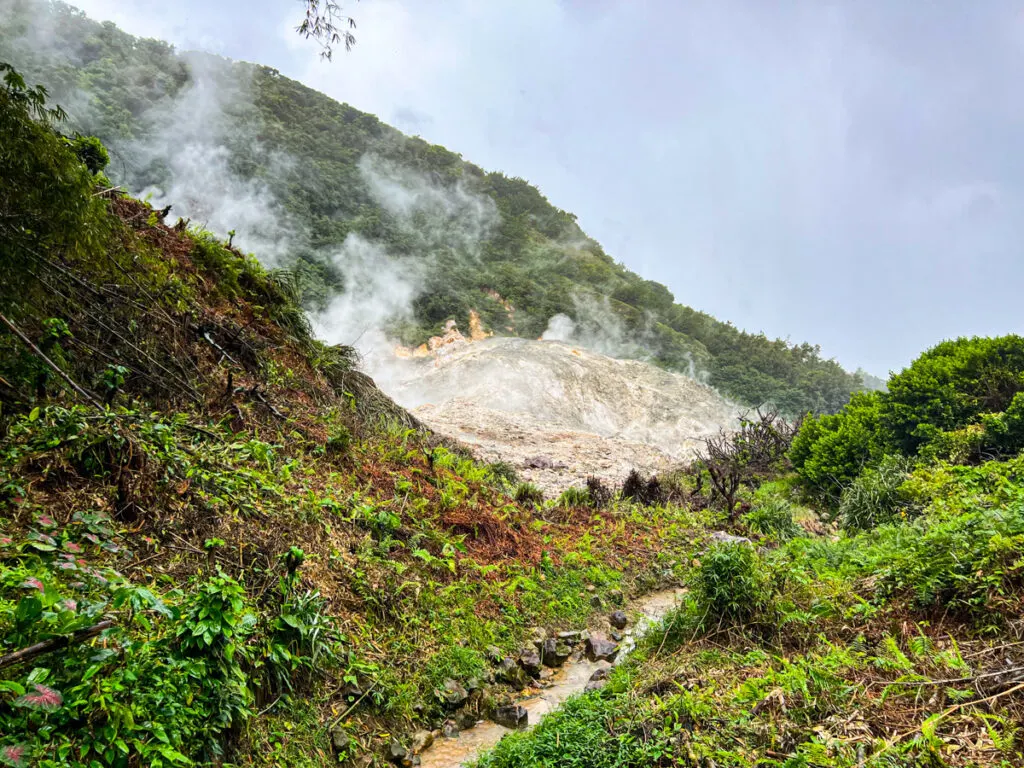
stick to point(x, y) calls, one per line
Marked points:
point(34, 414)
point(42, 698)
point(17, 754)
point(13, 687)
point(33, 583)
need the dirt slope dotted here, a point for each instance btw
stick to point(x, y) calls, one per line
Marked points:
point(558, 413)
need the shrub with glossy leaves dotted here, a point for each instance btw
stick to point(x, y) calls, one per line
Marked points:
point(830, 451)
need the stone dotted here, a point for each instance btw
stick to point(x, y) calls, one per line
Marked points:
point(597, 680)
point(721, 537)
point(572, 636)
point(512, 674)
point(450, 729)
point(514, 716)
point(465, 720)
point(615, 597)
point(397, 752)
point(595, 601)
point(452, 693)
point(618, 619)
point(537, 636)
point(529, 660)
point(591, 588)
point(339, 738)
point(421, 740)
point(601, 648)
point(493, 654)
point(617, 636)
point(556, 652)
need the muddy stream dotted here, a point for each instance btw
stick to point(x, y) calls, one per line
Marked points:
point(570, 679)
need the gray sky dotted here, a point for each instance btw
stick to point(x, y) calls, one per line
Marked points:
point(845, 173)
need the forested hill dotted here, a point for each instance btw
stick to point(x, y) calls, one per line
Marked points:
point(340, 199)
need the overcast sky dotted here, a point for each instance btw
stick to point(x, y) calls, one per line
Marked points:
point(846, 173)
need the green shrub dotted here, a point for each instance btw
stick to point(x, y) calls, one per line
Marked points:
point(830, 451)
point(503, 473)
point(303, 642)
point(773, 518)
point(731, 584)
point(575, 497)
point(875, 497)
point(90, 151)
point(339, 439)
point(528, 493)
point(950, 386)
point(960, 446)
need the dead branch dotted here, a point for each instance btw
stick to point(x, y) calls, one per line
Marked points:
point(53, 644)
point(39, 353)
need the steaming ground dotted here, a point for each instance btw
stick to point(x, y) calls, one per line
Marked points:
point(558, 413)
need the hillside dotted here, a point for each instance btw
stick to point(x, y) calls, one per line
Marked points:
point(351, 205)
point(220, 543)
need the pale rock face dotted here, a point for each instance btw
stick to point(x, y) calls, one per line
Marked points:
point(556, 412)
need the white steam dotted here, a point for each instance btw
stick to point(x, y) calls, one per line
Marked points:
point(378, 289)
point(439, 217)
point(190, 144)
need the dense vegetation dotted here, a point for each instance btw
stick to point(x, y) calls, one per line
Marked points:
point(517, 259)
point(220, 544)
point(893, 640)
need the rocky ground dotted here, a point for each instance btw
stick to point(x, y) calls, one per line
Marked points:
point(556, 412)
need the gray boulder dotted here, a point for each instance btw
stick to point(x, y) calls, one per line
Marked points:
point(601, 648)
point(618, 619)
point(597, 680)
point(721, 537)
point(529, 660)
point(514, 716)
point(512, 674)
point(556, 652)
point(452, 693)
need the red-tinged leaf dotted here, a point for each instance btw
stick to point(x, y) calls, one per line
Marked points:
point(34, 584)
point(42, 698)
point(16, 756)
point(92, 537)
point(6, 541)
point(43, 537)
point(70, 546)
point(67, 566)
point(70, 605)
point(46, 521)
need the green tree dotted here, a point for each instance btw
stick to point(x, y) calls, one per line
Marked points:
point(829, 452)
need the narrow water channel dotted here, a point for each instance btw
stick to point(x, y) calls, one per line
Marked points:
point(571, 678)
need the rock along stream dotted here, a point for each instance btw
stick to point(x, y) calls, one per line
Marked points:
point(571, 678)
